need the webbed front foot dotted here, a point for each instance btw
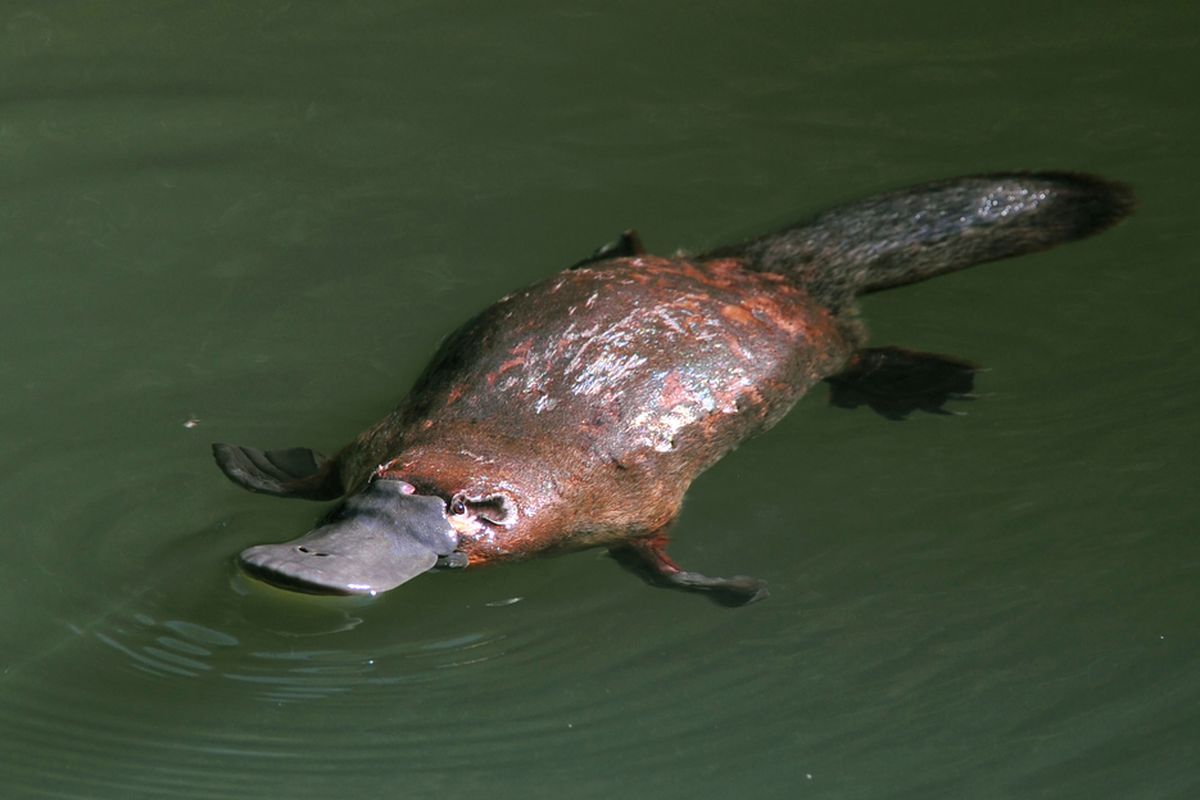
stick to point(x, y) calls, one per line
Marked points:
point(649, 559)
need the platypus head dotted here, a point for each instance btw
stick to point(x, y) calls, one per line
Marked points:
point(376, 540)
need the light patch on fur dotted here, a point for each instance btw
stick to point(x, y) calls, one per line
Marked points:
point(605, 371)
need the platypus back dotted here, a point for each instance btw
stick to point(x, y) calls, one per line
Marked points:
point(906, 236)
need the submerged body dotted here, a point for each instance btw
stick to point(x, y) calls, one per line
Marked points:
point(576, 413)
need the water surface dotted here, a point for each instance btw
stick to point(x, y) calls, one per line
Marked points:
point(253, 222)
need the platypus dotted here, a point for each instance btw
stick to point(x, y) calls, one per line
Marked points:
point(575, 413)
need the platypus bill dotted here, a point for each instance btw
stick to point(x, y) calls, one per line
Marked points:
point(576, 413)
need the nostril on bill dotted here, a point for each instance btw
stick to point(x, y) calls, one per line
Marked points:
point(308, 552)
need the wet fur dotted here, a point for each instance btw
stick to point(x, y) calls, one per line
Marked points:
point(589, 402)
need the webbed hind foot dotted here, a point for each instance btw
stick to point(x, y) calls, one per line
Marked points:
point(627, 245)
point(649, 559)
point(895, 382)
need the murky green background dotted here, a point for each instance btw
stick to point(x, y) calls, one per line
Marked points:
point(252, 222)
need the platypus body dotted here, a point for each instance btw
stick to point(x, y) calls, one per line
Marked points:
point(577, 412)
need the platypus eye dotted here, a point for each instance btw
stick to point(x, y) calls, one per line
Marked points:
point(458, 505)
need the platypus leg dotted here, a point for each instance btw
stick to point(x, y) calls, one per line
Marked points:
point(895, 382)
point(292, 472)
point(627, 245)
point(648, 558)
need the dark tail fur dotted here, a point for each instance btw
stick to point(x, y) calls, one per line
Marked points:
point(907, 236)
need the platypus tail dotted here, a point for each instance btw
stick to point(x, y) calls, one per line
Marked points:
point(909, 235)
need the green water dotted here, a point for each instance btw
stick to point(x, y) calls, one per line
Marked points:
point(252, 222)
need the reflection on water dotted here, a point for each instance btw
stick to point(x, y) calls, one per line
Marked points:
point(291, 671)
point(412, 683)
point(169, 654)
